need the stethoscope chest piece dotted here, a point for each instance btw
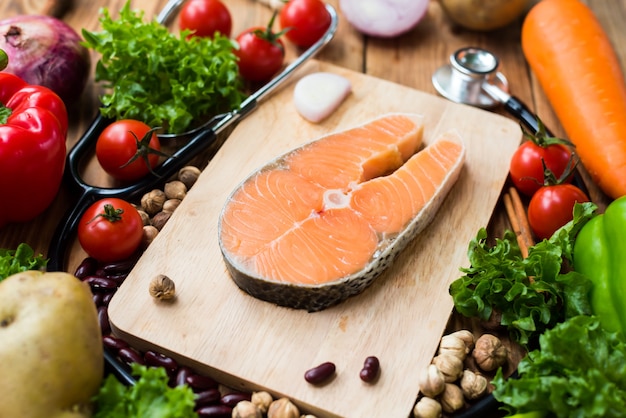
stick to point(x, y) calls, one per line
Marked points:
point(464, 79)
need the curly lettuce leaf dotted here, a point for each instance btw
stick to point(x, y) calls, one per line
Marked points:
point(21, 259)
point(578, 371)
point(529, 294)
point(159, 78)
point(149, 397)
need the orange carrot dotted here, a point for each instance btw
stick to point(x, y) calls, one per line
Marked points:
point(577, 67)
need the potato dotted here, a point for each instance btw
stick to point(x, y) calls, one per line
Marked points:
point(51, 346)
point(481, 15)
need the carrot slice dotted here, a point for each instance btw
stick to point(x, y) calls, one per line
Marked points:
point(578, 69)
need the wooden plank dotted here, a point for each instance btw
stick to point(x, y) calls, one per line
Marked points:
point(248, 343)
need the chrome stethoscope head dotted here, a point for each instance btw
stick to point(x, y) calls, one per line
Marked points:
point(472, 78)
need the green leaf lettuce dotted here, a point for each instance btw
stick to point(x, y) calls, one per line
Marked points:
point(149, 397)
point(578, 371)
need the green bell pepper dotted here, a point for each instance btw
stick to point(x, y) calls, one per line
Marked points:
point(600, 254)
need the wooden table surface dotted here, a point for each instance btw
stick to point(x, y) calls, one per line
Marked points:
point(408, 60)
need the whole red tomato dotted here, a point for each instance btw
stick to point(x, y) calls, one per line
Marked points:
point(527, 164)
point(128, 149)
point(551, 207)
point(205, 17)
point(261, 53)
point(526, 169)
point(306, 21)
point(110, 230)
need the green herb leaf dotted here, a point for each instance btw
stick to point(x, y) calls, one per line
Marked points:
point(531, 294)
point(578, 371)
point(149, 397)
point(21, 259)
point(151, 75)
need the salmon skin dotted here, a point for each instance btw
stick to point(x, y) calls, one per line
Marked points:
point(318, 224)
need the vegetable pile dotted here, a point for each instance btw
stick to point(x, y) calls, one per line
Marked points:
point(175, 82)
point(528, 295)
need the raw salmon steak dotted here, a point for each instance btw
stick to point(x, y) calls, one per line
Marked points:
point(319, 223)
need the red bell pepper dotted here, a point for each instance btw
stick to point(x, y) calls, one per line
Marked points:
point(33, 130)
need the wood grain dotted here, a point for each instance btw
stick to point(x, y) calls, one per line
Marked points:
point(400, 318)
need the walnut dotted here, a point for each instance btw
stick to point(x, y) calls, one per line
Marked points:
point(489, 352)
point(152, 202)
point(473, 385)
point(162, 288)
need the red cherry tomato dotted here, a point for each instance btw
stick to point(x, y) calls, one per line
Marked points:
point(110, 230)
point(551, 207)
point(307, 21)
point(526, 168)
point(261, 54)
point(117, 145)
point(205, 17)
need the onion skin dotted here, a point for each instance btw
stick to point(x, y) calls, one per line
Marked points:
point(384, 18)
point(46, 51)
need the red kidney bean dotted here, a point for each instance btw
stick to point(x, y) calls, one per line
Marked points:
point(155, 359)
point(100, 284)
point(123, 266)
point(215, 411)
point(97, 299)
point(208, 397)
point(320, 373)
point(128, 355)
point(87, 267)
point(117, 277)
point(182, 375)
point(106, 298)
point(370, 370)
point(114, 343)
point(103, 320)
point(231, 399)
point(199, 382)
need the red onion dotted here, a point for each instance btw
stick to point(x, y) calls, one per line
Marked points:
point(44, 50)
point(384, 18)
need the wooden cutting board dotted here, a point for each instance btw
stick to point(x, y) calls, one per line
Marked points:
point(254, 345)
